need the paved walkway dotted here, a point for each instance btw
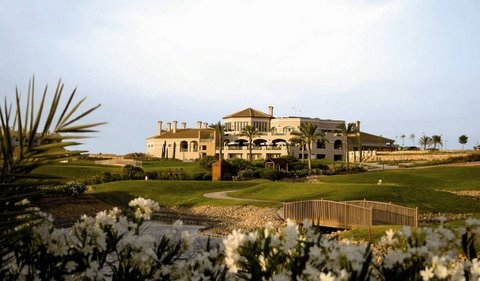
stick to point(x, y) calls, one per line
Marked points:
point(223, 195)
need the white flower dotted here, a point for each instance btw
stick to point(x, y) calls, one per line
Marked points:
point(143, 208)
point(327, 277)
point(427, 273)
point(290, 234)
point(231, 243)
point(406, 231)
point(23, 202)
point(475, 268)
point(394, 257)
point(472, 222)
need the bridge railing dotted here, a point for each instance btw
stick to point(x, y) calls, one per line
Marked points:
point(350, 214)
point(388, 213)
point(328, 213)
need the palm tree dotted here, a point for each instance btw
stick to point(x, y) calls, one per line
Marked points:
point(32, 136)
point(412, 137)
point(346, 130)
point(219, 129)
point(403, 140)
point(307, 133)
point(425, 141)
point(250, 132)
point(298, 141)
point(463, 139)
point(436, 139)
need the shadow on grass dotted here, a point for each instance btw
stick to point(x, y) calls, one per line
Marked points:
point(119, 199)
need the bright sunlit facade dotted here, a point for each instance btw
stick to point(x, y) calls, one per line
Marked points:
point(273, 139)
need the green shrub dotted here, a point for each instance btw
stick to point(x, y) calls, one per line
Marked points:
point(71, 188)
point(207, 177)
point(238, 165)
point(246, 174)
point(272, 174)
point(171, 174)
point(294, 166)
point(131, 172)
point(198, 176)
point(206, 162)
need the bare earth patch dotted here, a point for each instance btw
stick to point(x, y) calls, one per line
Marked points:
point(67, 210)
point(217, 220)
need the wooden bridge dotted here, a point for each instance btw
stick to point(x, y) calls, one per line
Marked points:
point(350, 214)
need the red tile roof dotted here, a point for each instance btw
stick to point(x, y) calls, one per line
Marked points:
point(249, 112)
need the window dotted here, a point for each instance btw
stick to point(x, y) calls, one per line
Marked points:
point(183, 146)
point(320, 145)
point(337, 144)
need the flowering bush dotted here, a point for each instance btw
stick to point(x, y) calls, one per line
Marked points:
point(112, 246)
point(71, 188)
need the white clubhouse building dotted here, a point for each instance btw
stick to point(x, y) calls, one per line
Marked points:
point(272, 141)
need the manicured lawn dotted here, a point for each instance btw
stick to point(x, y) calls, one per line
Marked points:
point(81, 169)
point(77, 170)
point(422, 188)
point(168, 193)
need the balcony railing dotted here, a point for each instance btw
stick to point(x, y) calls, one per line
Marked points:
point(253, 148)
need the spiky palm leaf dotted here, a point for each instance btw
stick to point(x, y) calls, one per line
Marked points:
point(32, 136)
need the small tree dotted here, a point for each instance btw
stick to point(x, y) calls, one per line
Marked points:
point(463, 139)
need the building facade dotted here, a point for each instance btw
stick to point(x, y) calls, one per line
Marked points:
point(273, 139)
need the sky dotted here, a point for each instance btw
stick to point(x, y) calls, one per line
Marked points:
point(399, 67)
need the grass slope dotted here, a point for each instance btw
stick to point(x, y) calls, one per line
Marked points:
point(423, 188)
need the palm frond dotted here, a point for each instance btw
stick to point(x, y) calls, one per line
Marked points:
point(31, 138)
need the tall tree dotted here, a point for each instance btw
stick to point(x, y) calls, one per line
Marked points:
point(308, 133)
point(347, 130)
point(219, 129)
point(403, 140)
point(412, 137)
point(463, 139)
point(437, 140)
point(425, 141)
point(33, 135)
point(298, 141)
point(250, 132)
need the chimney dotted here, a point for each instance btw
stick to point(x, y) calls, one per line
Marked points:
point(199, 124)
point(358, 126)
point(169, 127)
point(175, 126)
point(270, 110)
point(205, 125)
point(184, 125)
point(159, 127)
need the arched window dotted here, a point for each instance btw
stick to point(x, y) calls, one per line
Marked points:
point(183, 146)
point(320, 144)
point(194, 146)
point(337, 144)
